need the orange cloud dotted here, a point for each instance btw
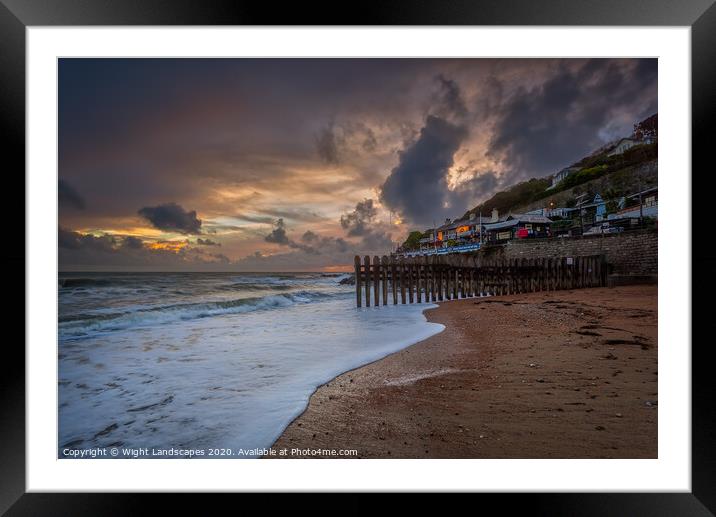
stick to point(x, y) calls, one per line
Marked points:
point(174, 246)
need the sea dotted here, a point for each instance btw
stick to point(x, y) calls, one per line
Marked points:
point(174, 362)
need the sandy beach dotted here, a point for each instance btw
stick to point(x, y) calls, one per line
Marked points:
point(566, 374)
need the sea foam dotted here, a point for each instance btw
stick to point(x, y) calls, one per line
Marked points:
point(231, 379)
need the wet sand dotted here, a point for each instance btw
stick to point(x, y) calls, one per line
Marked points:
point(567, 374)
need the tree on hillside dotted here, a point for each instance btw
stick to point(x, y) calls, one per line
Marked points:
point(647, 127)
point(517, 195)
point(413, 241)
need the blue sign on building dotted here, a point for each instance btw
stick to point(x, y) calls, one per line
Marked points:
point(445, 251)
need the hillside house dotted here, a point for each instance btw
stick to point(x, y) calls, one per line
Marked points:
point(561, 176)
point(623, 145)
point(518, 226)
point(461, 231)
point(649, 204)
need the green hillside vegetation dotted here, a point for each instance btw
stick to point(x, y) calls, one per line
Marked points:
point(592, 167)
point(611, 176)
point(519, 194)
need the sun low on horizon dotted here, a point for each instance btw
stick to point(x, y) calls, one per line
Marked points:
point(300, 164)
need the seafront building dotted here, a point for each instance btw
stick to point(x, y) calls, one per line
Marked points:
point(588, 216)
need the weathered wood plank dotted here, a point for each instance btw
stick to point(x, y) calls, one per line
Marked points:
point(384, 278)
point(402, 279)
point(366, 263)
point(394, 280)
point(376, 280)
point(357, 274)
point(409, 274)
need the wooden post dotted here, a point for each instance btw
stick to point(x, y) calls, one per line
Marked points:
point(444, 266)
point(436, 278)
point(487, 277)
point(357, 273)
point(394, 280)
point(471, 289)
point(555, 274)
point(419, 279)
point(428, 279)
point(504, 286)
point(465, 280)
point(376, 280)
point(605, 270)
point(508, 276)
point(428, 287)
point(384, 275)
point(366, 263)
point(402, 280)
point(596, 270)
point(444, 269)
point(436, 273)
point(409, 263)
point(595, 273)
point(451, 279)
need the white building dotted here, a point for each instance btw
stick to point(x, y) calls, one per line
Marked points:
point(623, 145)
point(561, 175)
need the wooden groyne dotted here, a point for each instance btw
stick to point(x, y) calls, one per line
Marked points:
point(385, 280)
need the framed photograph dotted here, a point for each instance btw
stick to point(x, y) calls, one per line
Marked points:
point(415, 251)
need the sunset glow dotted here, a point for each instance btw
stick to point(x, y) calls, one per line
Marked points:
point(299, 164)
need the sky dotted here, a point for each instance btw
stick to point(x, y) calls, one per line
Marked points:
point(300, 164)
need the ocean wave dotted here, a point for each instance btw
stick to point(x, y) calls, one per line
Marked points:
point(83, 282)
point(88, 324)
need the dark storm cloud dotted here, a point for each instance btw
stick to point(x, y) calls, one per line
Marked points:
point(255, 219)
point(475, 189)
point(547, 127)
point(278, 234)
point(417, 188)
point(370, 142)
point(171, 217)
point(133, 242)
point(292, 139)
point(377, 240)
point(358, 221)
point(86, 250)
point(327, 143)
point(449, 100)
point(311, 243)
point(309, 236)
point(69, 239)
point(68, 196)
point(207, 242)
point(294, 214)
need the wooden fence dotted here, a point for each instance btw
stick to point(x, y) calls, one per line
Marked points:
point(438, 278)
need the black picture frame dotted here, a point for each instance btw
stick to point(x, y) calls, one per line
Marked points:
point(700, 15)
